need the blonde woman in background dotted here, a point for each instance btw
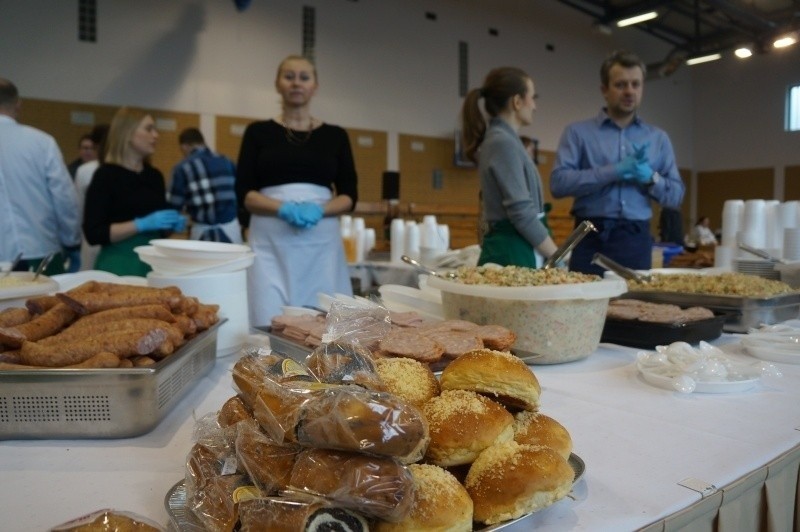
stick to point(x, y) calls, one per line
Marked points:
point(295, 174)
point(126, 203)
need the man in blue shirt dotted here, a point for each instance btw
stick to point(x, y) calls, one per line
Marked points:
point(38, 202)
point(203, 183)
point(613, 165)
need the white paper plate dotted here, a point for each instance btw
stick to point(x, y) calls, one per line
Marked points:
point(665, 382)
point(199, 249)
point(68, 281)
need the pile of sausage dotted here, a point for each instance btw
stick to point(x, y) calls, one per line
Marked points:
point(101, 325)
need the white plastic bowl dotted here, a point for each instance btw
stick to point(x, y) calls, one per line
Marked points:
point(553, 324)
point(175, 265)
point(199, 249)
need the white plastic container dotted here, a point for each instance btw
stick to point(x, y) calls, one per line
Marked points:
point(228, 290)
point(553, 324)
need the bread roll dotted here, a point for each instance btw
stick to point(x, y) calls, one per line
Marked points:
point(351, 418)
point(233, 411)
point(375, 486)
point(535, 428)
point(408, 379)
point(252, 370)
point(269, 465)
point(343, 363)
point(462, 424)
point(509, 480)
point(209, 492)
point(286, 514)
point(498, 374)
point(441, 504)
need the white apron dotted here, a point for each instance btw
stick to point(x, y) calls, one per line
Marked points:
point(231, 229)
point(292, 265)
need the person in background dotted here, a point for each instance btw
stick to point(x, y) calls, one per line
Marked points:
point(294, 175)
point(613, 165)
point(83, 177)
point(203, 183)
point(670, 226)
point(511, 188)
point(38, 203)
point(87, 151)
point(532, 147)
point(126, 204)
point(701, 233)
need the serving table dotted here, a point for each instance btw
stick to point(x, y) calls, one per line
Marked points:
point(639, 443)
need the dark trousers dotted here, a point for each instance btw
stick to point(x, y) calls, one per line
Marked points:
point(626, 241)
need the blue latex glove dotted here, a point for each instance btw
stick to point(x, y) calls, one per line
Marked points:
point(289, 212)
point(157, 221)
point(626, 168)
point(73, 259)
point(180, 225)
point(640, 151)
point(644, 173)
point(310, 213)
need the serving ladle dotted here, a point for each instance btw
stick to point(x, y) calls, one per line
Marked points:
point(577, 234)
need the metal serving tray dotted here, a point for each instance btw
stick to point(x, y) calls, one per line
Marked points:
point(647, 335)
point(183, 520)
point(742, 313)
point(100, 403)
point(296, 351)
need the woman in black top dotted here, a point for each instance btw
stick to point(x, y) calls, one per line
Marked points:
point(295, 175)
point(126, 203)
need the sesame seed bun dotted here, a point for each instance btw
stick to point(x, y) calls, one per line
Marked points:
point(535, 428)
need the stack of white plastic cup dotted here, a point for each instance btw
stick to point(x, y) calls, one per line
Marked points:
point(412, 239)
point(397, 239)
point(732, 218)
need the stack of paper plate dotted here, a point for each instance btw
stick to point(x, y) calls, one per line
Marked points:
point(760, 267)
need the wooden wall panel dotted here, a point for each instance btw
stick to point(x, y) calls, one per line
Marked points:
point(421, 156)
point(714, 188)
point(57, 119)
point(229, 131)
point(370, 152)
point(791, 187)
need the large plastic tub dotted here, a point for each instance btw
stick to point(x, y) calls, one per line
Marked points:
point(553, 324)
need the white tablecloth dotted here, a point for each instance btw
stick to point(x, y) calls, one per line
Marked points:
point(638, 443)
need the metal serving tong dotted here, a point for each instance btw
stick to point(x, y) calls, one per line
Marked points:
point(13, 265)
point(43, 265)
point(623, 271)
point(424, 269)
point(577, 234)
point(761, 253)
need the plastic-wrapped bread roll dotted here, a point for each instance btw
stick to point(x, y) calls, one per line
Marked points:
point(258, 365)
point(344, 363)
point(269, 465)
point(353, 419)
point(375, 486)
point(292, 514)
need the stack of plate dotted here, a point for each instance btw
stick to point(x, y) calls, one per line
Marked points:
point(760, 267)
point(193, 257)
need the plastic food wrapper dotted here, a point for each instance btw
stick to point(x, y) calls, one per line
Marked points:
point(359, 324)
point(109, 521)
point(297, 514)
point(348, 418)
point(268, 464)
point(376, 486)
point(258, 366)
point(339, 362)
point(687, 366)
point(213, 475)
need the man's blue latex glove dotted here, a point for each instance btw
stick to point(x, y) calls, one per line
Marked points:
point(626, 168)
point(310, 213)
point(289, 212)
point(72, 257)
point(157, 221)
point(644, 173)
point(640, 151)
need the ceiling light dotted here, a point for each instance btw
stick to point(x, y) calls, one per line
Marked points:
point(702, 59)
point(743, 53)
point(637, 19)
point(786, 40)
